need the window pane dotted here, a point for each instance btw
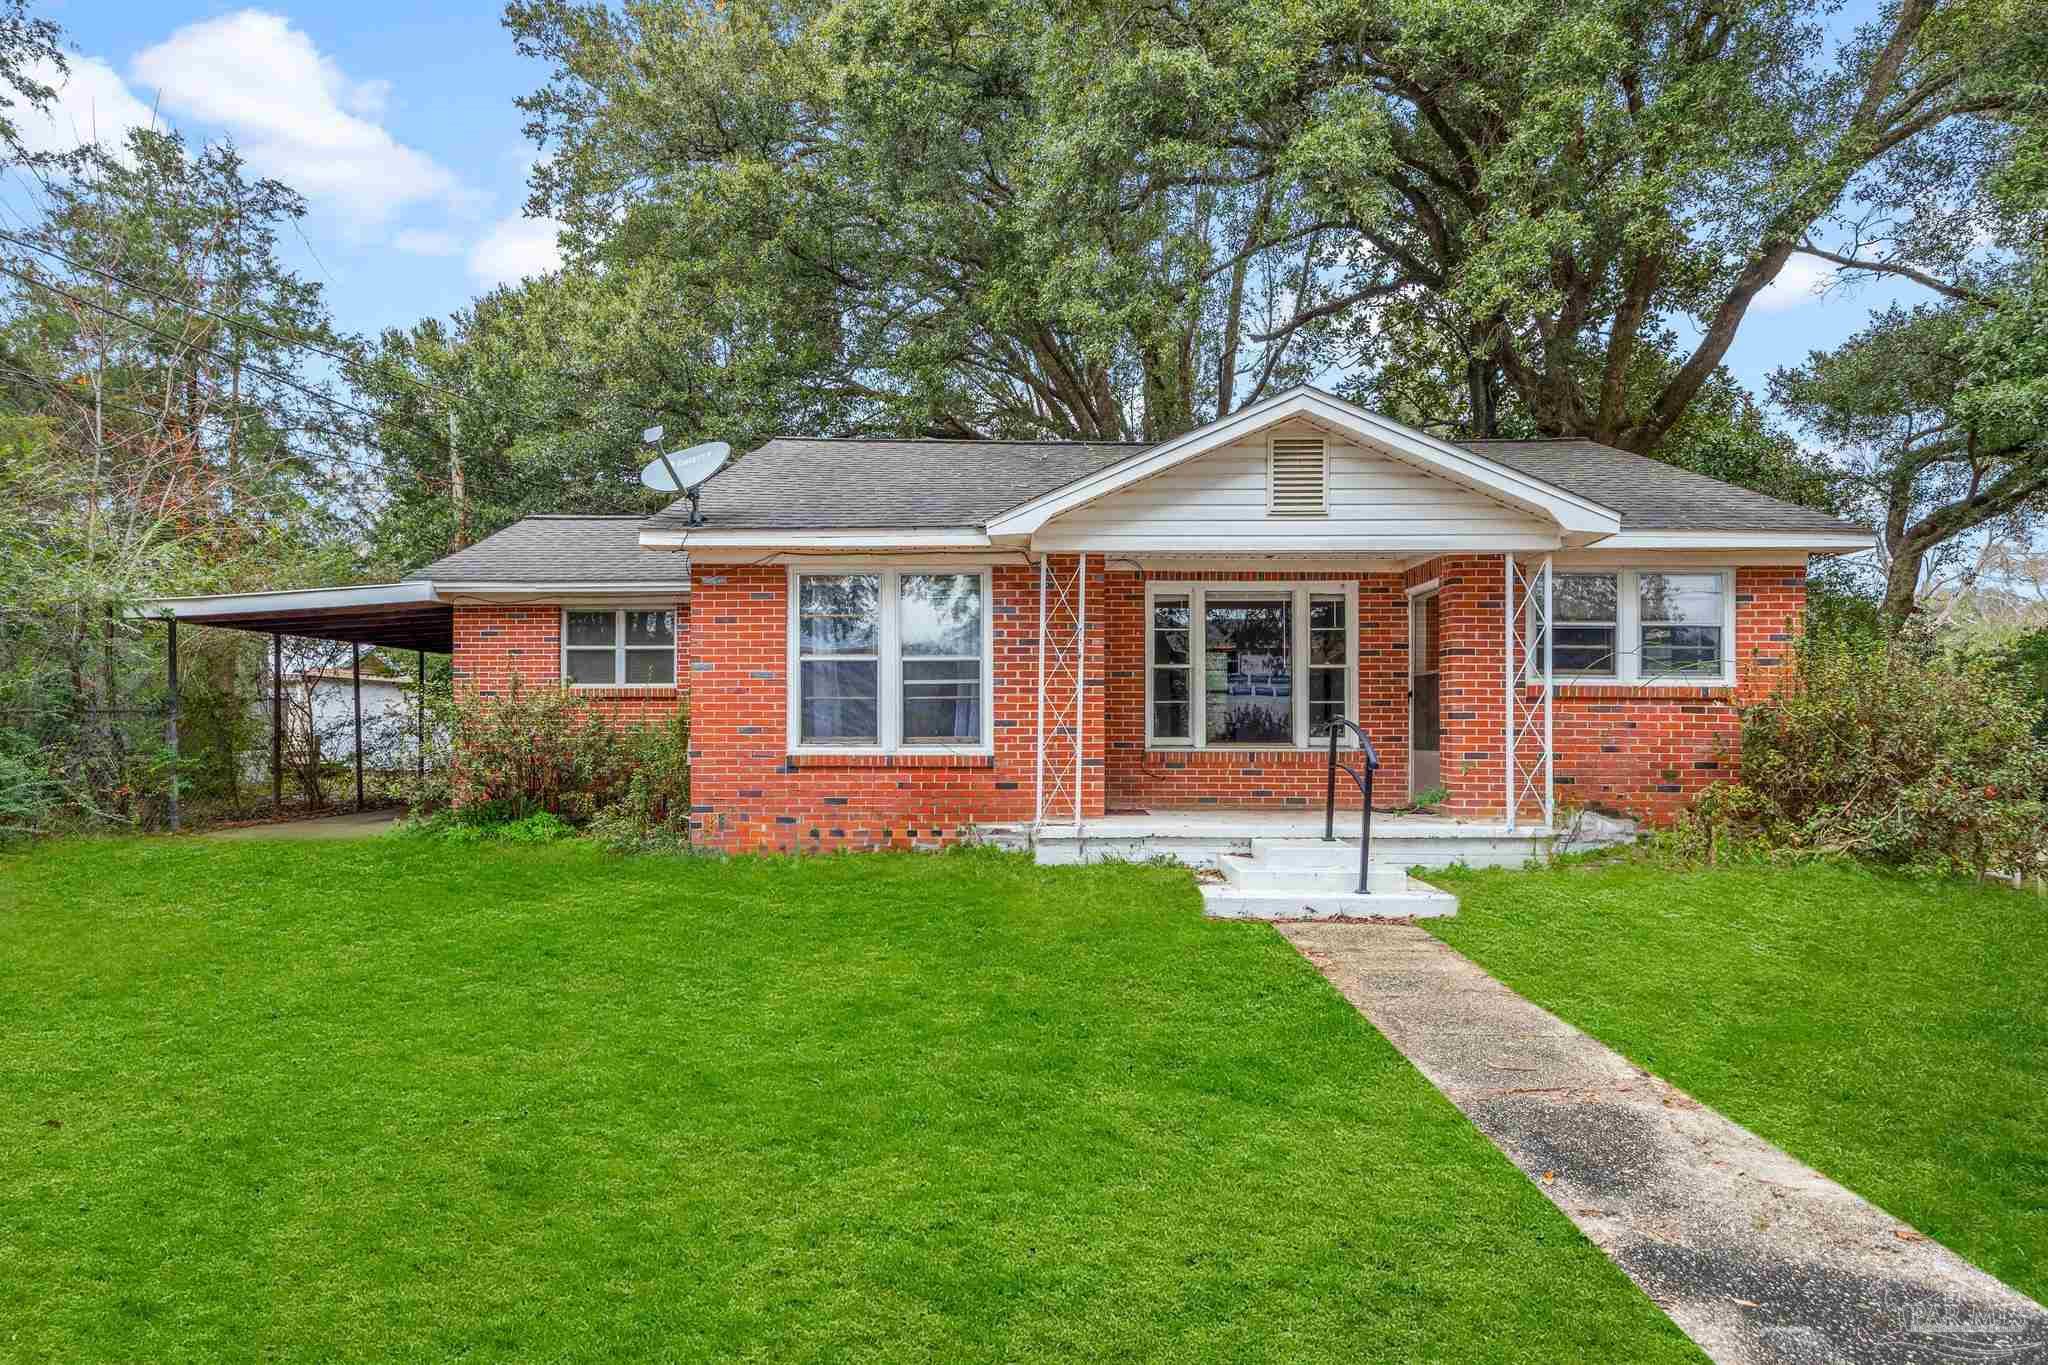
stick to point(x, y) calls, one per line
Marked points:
point(1170, 613)
point(941, 699)
point(1325, 697)
point(1681, 598)
point(838, 615)
point(1250, 684)
point(941, 614)
point(838, 701)
point(650, 628)
point(1326, 630)
point(591, 628)
point(1170, 684)
point(591, 665)
point(651, 665)
point(1681, 650)
point(1583, 650)
point(1585, 596)
point(1169, 646)
point(1170, 720)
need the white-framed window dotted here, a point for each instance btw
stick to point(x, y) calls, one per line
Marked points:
point(1644, 627)
point(619, 646)
point(1248, 665)
point(888, 659)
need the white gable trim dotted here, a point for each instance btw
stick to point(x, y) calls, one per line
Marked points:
point(1578, 518)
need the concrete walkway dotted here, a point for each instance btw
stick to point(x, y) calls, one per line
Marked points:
point(1756, 1257)
point(352, 825)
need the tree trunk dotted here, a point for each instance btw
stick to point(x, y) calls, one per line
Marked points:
point(1902, 584)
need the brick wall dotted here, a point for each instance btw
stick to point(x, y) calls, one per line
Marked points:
point(1263, 778)
point(1471, 679)
point(498, 646)
point(748, 790)
point(1636, 751)
point(1647, 753)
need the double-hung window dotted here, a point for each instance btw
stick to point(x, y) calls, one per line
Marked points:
point(1644, 626)
point(619, 646)
point(1256, 665)
point(890, 659)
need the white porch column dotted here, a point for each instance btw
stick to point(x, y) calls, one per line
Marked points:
point(1531, 767)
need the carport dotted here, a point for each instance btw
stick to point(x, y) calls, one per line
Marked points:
point(409, 615)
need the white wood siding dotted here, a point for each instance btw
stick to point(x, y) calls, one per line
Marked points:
point(1218, 503)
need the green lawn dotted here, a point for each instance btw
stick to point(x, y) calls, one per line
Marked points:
point(391, 1099)
point(1892, 1034)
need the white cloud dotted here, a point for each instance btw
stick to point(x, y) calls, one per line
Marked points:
point(93, 104)
point(295, 115)
point(1797, 285)
point(428, 242)
point(515, 248)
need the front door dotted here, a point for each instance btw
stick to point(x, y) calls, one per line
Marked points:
point(1425, 728)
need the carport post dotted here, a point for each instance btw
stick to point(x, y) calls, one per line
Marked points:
point(355, 669)
point(276, 722)
point(419, 696)
point(171, 716)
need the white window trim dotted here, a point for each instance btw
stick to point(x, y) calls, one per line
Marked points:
point(619, 646)
point(1197, 593)
point(1628, 634)
point(889, 661)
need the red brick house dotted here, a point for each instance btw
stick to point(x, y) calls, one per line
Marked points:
point(896, 642)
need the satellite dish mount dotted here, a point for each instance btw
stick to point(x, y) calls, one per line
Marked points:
point(685, 471)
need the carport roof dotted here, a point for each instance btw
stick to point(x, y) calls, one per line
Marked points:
point(396, 615)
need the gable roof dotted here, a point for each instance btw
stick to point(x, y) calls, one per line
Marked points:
point(802, 484)
point(797, 483)
point(559, 549)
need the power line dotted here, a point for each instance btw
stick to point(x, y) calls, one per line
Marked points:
point(257, 327)
point(63, 390)
point(118, 316)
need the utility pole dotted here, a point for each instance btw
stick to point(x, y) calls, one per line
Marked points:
point(455, 485)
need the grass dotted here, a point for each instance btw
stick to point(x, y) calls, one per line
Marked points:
point(1893, 1034)
point(391, 1100)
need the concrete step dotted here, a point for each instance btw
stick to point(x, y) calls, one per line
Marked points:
point(1308, 853)
point(1414, 899)
point(1252, 875)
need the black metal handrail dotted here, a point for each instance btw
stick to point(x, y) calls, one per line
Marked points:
point(1364, 781)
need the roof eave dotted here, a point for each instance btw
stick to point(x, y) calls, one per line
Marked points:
point(1846, 540)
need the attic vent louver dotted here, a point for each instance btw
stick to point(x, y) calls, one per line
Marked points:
point(1297, 477)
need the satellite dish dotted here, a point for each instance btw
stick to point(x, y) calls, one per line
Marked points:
point(685, 471)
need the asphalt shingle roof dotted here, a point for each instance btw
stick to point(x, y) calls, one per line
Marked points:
point(794, 484)
point(560, 549)
point(801, 484)
point(1649, 494)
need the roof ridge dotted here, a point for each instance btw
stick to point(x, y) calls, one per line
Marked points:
point(953, 440)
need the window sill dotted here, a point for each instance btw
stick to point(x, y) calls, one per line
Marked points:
point(630, 692)
point(1222, 757)
point(1717, 690)
point(811, 758)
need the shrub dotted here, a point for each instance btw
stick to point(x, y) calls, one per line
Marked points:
point(549, 751)
point(534, 749)
point(1889, 753)
point(653, 813)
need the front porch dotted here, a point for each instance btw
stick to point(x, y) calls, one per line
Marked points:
point(1196, 694)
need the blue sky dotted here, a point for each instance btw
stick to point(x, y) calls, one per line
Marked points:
point(396, 120)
